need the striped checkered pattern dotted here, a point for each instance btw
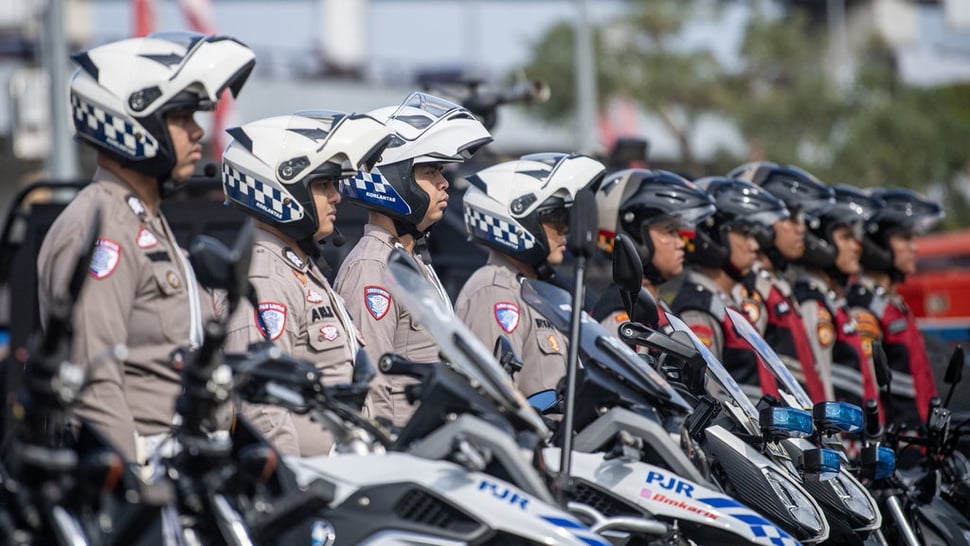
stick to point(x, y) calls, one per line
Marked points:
point(260, 197)
point(759, 526)
point(373, 188)
point(112, 130)
point(371, 182)
point(493, 229)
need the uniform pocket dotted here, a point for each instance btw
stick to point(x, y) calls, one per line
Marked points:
point(549, 342)
point(329, 340)
point(170, 305)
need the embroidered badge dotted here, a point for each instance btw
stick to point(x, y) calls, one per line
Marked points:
point(273, 316)
point(825, 330)
point(292, 258)
point(703, 333)
point(377, 300)
point(782, 307)
point(329, 332)
point(145, 238)
point(313, 296)
point(104, 260)
point(172, 279)
point(507, 316)
point(553, 342)
point(301, 276)
point(751, 309)
point(622, 316)
point(136, 206)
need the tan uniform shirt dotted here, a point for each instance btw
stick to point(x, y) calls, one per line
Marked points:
point(304, 316)
point(491, 305)
point(140, 292)
point(384, 322)
point(705, 324)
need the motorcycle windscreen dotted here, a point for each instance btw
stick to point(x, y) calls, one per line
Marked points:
point(555, 304)
point(738, 403)
point(462, 350)
point(797, 397)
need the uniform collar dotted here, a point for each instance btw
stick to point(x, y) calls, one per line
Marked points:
point(708, 284)
point(382, 235)
point(506, 269)
point(279, 247)
point(120, 189)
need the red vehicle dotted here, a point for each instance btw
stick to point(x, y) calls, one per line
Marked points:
point(939, 291)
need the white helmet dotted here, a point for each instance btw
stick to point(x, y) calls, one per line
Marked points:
point(426, 129)
point(506, 204)
point(123, 90)
point(268, 167)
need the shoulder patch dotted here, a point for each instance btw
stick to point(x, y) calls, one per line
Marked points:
point(273, 315)
point(506, 315)
point(751, 308)
point(868, 325)
point(703, 332)
point(145, 238)
point(377, 300)
point(825, 329)
point(105, 259)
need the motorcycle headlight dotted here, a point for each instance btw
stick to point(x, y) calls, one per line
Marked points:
point(798, 504)
point(854, 497)
point(841, 416)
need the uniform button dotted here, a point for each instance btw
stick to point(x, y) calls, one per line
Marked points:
point(319, 338)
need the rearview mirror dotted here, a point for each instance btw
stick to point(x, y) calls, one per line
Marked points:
point(954, 370)
point(881, 364)
point(364, 370)
point(218, 267)
point(627, 267)
point(582, 224)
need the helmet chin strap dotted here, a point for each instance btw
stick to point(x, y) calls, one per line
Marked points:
point(545, 272)
point(407, 228)
point(777, 260)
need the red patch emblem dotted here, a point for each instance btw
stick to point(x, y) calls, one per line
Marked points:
point(105, 258)
point(273, 317)
point(330, 332)
point(145, 238)
point(704, 333)
point(377, 300)
point(507, 316)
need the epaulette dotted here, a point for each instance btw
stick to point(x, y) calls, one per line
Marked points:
point(694, 297)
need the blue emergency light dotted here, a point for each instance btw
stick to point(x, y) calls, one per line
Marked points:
point(837, 416)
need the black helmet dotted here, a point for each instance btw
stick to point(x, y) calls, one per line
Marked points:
point(904, 211)
point(740, 205)
point(802, 193)
point(853, 207)
point(629, 201)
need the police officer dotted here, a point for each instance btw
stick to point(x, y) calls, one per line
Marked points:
point(406, 195)
point(782, 243)
point(832, 257)
point(888, 255)
point(655, 209)
point(138, 113)
point(520, 211)
point(722, 254)
point(283, 171)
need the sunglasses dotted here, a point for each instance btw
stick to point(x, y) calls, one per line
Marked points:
point(557, 218)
